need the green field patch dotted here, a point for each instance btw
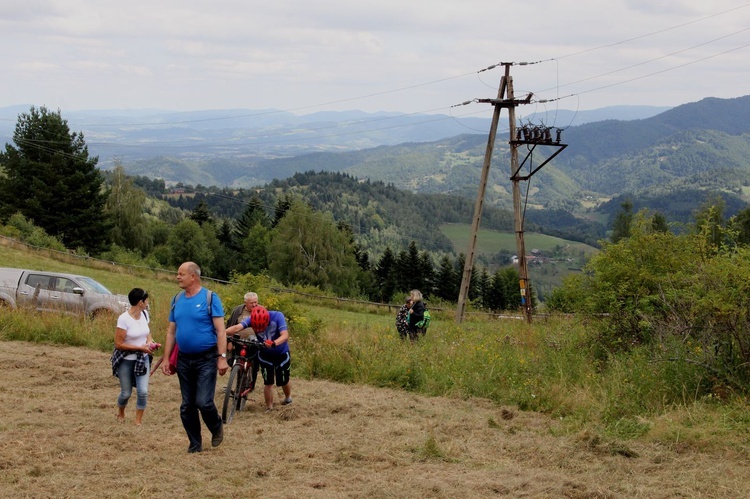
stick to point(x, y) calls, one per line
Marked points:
point(490, 242)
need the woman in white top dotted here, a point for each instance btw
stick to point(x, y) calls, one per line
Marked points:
point(131, 359)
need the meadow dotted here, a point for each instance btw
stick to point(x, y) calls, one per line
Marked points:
point(562, 257)
point(489, 242)
point(487, 407)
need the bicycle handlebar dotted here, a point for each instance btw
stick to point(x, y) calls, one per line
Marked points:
point(247, 342)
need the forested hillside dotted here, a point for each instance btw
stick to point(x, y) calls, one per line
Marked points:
point(698, 148)
point(382, 214)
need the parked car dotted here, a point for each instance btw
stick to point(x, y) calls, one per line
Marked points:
point(58, 292)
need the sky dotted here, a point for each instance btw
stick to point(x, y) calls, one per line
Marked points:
point(406, 56)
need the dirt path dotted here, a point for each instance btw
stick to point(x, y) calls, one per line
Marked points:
point(59, 438)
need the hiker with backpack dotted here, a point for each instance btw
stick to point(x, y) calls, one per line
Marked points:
point(196, 326)
point(416, 315)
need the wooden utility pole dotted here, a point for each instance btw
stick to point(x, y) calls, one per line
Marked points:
point(523, 270)
point(533, 137)
point(469, 263)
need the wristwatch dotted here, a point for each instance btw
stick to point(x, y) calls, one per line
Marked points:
point(223, 355)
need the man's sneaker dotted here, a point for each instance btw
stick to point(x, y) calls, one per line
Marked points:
point(218, 437)
point(193, 450)
point(287, 401)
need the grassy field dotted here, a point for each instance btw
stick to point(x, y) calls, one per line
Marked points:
point(563, 257)
point(488, 407)
point(490, 242)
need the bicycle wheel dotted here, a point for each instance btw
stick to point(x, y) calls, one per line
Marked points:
point(230, 403)
point(244, 384)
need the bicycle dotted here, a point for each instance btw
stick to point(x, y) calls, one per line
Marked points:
point(242, 376)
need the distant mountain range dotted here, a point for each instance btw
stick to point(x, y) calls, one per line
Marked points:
point(188, 141)
point(670, 159)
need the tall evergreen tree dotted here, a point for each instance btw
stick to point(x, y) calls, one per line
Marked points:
point(201, 213)
point(282, 206)
point(385, 273)
point(50, 179)
point(445, 280)
point(415, 279)
point(251, 215)
point(427, 273)
point(404, 272)
point(226, 233)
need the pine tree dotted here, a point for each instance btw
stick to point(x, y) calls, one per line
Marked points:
point(445, 280)
point(427, 273)
point(282, 206)
point(252, 214)
point(50, 179)
point(201, 214)
point(386, 273)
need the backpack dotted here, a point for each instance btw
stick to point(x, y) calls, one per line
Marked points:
point(425, 322)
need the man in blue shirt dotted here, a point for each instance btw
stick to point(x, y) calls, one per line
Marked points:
point(275, 360)
point(199, 333)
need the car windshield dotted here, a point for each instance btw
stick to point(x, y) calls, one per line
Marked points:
point(95, 287)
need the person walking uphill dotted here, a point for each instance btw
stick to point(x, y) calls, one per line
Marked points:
point(275, 360)
point(131, 356)
point(238, 313)
point(200, 335)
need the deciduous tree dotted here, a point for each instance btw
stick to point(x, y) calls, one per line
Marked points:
point(307, 248)
point(125, 208)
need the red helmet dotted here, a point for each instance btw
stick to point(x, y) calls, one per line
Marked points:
point(259, 318)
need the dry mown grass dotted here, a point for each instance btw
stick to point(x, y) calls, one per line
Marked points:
point(59, 438)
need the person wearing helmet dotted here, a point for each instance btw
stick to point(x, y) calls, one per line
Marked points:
point(275, 360)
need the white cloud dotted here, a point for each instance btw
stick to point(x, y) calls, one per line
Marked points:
point(288, 54)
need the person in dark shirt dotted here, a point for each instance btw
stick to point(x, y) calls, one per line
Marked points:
point(416, 314)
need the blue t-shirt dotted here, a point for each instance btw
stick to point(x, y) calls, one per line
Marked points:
point(272, 332)
point(195, 328)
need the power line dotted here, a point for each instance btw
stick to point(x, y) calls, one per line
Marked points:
point(646, 75)
point(656, 59)
point(654, 32)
